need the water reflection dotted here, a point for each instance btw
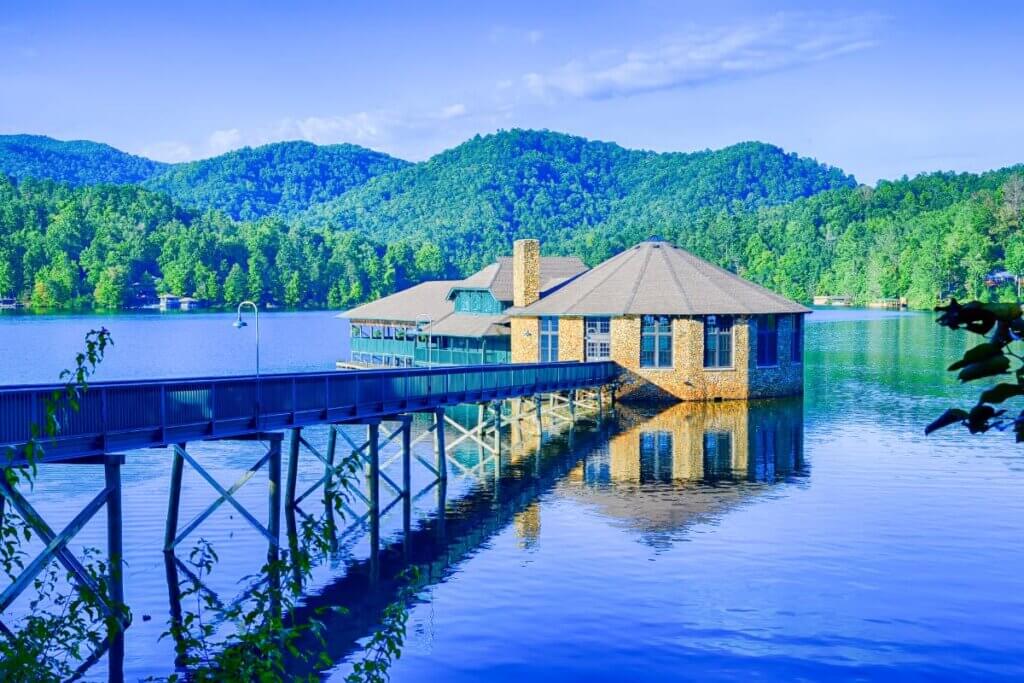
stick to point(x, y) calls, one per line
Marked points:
point(655, 470)
point(664, 469)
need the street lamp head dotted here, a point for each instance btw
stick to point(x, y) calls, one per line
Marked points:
point(239, 324)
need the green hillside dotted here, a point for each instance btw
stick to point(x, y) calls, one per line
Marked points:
point(282, 178)
point(106, 246)
point(478, 197)
point(74, 162)
point(788, 222)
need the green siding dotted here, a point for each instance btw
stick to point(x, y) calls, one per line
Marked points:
point(479, 302)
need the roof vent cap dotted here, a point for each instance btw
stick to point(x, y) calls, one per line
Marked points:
point(654, 238)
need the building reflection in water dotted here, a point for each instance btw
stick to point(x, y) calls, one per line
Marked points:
point(664, 469)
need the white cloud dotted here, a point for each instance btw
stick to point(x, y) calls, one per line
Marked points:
point(357, 127)
point(169, 151)
point(453, 111)
point(221, 141)
point(701, 56)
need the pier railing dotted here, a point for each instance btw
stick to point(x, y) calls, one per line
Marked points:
point(118, 416)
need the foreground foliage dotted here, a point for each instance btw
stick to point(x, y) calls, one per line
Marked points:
point(1002, 327)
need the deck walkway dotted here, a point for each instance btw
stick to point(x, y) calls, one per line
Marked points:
point(118, 416)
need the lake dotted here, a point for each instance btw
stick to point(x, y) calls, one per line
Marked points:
point(823, 538)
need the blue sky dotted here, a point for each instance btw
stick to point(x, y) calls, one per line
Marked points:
point(879, 89)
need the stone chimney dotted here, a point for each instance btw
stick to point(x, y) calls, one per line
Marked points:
point(525, 272)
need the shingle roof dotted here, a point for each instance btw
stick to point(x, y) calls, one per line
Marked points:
point(655, 277)
point(497, 277)
point(472, 325)
point(425, 299)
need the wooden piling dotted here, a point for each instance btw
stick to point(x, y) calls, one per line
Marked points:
point(293, 466)
point(174, 499)
point(441, 462)
point(274, 497)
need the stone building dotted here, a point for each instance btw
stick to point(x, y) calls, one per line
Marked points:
point(451, 322)
point(680, 327)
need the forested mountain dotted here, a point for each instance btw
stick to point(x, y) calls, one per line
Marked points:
point(935, 235)
point(74, 162)
point(282, 179)
point(107, 246)
point(788, 222)
point(476, 198)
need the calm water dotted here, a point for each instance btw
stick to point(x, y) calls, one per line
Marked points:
point(822, 539)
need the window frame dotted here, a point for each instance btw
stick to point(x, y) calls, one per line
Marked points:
point(656, 328)
point(796, 348)
point(547, 344)
point(763, 334)
point(713, 328)
point(597, 338)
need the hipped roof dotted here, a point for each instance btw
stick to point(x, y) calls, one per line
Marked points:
point(497, 277)
point(656, 278)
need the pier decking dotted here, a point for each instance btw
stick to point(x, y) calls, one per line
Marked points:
point(119, 416)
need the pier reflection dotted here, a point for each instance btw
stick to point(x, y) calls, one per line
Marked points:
point(646, 467)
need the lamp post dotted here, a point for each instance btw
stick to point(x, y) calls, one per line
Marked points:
point(239, 324)
point(430, 328)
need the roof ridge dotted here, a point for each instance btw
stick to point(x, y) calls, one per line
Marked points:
point(778, 298)
point(675, 278)
point(636, 285)
point(612, 271)
point(698, 265)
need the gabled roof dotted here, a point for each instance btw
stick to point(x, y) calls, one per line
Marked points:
point(426, 299)
point(657, 278)
point(497, 277)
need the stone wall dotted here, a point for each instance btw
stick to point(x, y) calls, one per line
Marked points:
point(526, 340)
point(784, 379)
point(687, 379)
point(570, 338)
point(525, 272)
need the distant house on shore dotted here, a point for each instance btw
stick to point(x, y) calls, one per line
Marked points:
point(679, 327)
point(170, 302)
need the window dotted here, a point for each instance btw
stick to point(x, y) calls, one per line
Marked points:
point(718, 341)
point(767, 341)
point(548, 340)
point(655, 456)
point(797, 347)
point(656, 341)
point(598, 336)
point(717, 455)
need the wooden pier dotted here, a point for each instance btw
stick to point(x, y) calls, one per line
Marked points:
point(115, 417)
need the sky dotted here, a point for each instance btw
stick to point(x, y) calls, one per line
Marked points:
point(879, 89)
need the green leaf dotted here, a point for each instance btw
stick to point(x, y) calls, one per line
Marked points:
point(978, 353)
point(951, 416)
point(1005, 312)
point(1001, 392)
point(996, 365)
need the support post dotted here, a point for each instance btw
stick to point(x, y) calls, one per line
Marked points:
point(274, 497)
point(293, 466)
point(406, 484)
point(373, 430)
point(332, 444)
point(540, 419)
point(440, 449)
point(496, 407)
point(174, 499)
point(572, 405)
point(407, 457)
point(115, 568)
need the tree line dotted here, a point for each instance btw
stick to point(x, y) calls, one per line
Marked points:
point(111, 247)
